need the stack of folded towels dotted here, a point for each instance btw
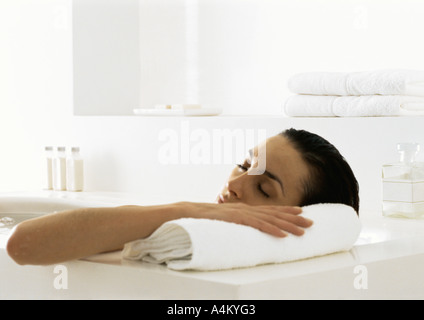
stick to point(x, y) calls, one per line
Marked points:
point(357, 94)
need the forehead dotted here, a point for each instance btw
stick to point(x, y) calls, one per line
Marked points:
point(278, 150)
point(281, 146)
point(284, 161)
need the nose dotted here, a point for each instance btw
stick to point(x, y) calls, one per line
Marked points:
point(236, 185)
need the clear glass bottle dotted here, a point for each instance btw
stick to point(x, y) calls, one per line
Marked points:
point(403, 184)
point(74, 171)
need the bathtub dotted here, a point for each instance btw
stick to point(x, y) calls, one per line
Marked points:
point(387, 262)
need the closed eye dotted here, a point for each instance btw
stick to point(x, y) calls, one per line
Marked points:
point(262, 191)
point(242, 167)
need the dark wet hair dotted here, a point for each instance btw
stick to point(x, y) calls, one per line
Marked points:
point(331, 178)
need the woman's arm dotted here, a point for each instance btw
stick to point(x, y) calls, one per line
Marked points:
point(79, 233)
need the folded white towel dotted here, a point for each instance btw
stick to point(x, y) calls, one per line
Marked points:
point(384, 82)
point(203, 244)
point(353, 106)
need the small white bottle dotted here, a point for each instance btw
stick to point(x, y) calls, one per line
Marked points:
point(59, 169)
point(75, 171)
point(48, 178)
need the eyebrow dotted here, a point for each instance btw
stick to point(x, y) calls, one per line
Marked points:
point(274, 177)
point(269, 174)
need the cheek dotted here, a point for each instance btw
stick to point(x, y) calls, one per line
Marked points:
point(296, 200)
point(295, 197)
point(234, 174)
point(300, 177)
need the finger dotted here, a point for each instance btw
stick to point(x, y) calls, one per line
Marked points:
point(289, 227)
point(269, 228)
point(289, 209)
point(286, 209)
point(297, 220)
point(270, 219)
point(288, 222)
point(293, 218)
point(262, 225)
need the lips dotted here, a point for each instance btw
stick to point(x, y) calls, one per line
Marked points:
point(221, 198)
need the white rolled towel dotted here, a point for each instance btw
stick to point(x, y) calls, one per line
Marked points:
point(353, 106)
point(203, 244)
point(383, 82)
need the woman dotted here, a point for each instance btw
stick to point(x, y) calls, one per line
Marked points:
point(301, 169)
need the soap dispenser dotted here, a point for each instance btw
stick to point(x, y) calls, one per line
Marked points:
point(403, 184)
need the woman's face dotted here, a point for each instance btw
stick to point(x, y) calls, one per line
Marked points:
point(279, 182)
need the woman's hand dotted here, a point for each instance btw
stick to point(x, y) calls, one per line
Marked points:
point(274, 220)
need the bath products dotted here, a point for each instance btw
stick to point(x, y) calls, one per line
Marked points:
point(178, 106)
point(403, 184)
point(74, 171)
point(59, 169)
point(48, 182)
